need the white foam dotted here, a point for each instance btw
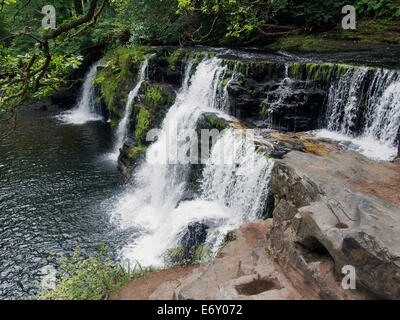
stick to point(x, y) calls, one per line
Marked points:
point(150, 205)
point(85, 110)
point(366, 145)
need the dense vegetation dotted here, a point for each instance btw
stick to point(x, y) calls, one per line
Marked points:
point(90, 278)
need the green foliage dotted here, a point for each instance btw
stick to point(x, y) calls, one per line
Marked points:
point(153, 96)
point(320, 72)
point(142, 126)
point(37, 62)
point(182, 256)
point(149, 21)
point(4, 25)
point(109, 90)
point(379, 9)
point(90, 278)
point(216, 123)
point(60, 66)
point(134, 152)
point(243, 18)
point(150, 114)
point(174, 58)
point(117, 77)
point(24, 14)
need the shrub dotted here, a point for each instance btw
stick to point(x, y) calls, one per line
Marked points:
point(90, 278)
point(184, 256)
point(379, 8)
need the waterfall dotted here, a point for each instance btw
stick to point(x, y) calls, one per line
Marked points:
point(150, 204)
point(224, 103)
point(237, 176)
point(383, 117)
point(278, 98)
point(123, 124)
point(85, 110)
point(343, 100)
point(373, 100)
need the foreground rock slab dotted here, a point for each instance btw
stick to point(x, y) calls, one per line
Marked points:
point(242, 270)
point(323, 217)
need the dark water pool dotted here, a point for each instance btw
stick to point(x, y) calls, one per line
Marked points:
point(54, 180)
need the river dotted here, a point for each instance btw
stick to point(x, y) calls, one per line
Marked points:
point(54, 179)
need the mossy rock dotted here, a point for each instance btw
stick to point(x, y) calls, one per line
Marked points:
point(119, 77)
point(198, 58)
point(207, 121)
point(174, 57)
point(369, 34)
point(130, 159)
point(149, 109)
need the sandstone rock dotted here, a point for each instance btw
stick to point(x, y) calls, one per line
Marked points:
point(275, 144)
point(322, 218)
point(242, 270)
point(194, 237)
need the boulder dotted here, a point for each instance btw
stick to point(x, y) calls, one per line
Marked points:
point(241, 271)
point(322, 217)
point(194, 237)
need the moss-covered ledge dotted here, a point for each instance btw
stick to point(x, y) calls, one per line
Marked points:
point(148, 111)
point(118, 77)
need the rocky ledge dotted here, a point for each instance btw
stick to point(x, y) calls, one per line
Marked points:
point(330, 211)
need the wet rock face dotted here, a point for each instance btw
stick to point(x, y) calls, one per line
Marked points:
point(100, 105)
point(65, 98)
point(194, 237)
point(148, 111)
point(322, 220)
point(161, 71)
point(299, 111)
point(265, 94)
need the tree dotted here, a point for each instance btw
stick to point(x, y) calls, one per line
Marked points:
point(41, 69)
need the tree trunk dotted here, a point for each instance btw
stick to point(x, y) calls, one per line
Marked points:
point(78, 7)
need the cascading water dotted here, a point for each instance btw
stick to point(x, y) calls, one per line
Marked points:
point(223, 102)
point(85, 110)
point(237, 179)
point(236, 175)
point(274, 101)
point(383, 118)
point(379, 105)
point(151, 205)
point(122, 125)
point(343, 100)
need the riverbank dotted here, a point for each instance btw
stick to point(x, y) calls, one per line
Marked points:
point(369, 35)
